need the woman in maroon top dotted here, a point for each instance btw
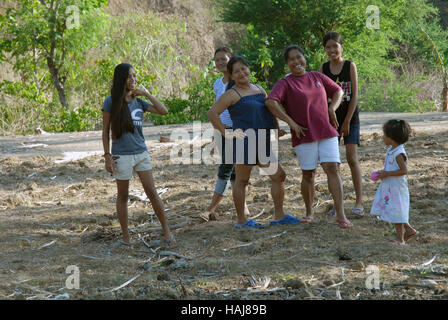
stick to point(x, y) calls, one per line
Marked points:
point(313, 126)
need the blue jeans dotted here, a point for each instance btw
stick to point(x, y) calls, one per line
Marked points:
point(226, 173)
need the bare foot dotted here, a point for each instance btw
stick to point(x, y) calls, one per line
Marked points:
point(170, 241)
point(123, 244)
point(410, 235)
point(397, 242)
point(205, 216)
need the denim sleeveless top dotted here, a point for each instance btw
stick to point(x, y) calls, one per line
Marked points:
point(251, 112)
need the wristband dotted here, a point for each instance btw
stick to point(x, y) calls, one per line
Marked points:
point(107, 153)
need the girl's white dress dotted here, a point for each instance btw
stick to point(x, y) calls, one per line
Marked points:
point(391, 202)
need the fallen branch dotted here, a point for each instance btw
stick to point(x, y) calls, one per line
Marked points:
point(256, 216)
point(338, 294)
point(336, 284)
point(66, 188)
point(47, 244)
point(174, 254)
point(143, 240)
point(172, 227)
point(427, 263)
point(251, 243)
point(239, 246)
point(264, 290)
point(90, 257)
point(184, 290)
point(33, 288)
point(125, 284)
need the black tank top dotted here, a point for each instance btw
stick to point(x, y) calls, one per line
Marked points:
point(343, 79)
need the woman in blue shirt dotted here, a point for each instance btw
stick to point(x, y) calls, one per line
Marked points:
point(246, 104)
point(123, 116)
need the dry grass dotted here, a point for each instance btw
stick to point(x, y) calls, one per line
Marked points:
point(74, 204)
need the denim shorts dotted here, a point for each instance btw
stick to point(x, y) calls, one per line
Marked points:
point(353, 136)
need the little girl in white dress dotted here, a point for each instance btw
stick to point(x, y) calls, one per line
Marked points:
point(391, 202)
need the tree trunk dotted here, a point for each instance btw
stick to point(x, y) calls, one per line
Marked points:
point(444, 104)
point(57, 83)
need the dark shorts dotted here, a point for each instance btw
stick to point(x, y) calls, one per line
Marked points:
point(354, 135)
point(225, 171)
point(253, 149)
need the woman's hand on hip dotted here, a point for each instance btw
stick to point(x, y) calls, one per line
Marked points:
point(235, 134)
point(333, 118)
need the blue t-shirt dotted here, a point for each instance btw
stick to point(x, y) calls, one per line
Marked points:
point(130, 143)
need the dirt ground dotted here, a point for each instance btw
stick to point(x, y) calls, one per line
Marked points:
point(56, 215)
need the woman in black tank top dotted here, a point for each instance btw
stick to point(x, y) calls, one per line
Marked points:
point(344, 73)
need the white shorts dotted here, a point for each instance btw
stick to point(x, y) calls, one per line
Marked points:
point(126, 165)
point(310, 154)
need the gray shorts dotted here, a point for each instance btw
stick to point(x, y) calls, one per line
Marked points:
point(126, 165)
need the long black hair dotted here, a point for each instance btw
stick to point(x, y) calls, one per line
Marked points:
point(230, 64)
point(121, 120)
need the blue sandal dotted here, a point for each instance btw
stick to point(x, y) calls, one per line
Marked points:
point(288, 219)
point(250, 224)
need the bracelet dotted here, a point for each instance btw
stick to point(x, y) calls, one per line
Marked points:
point(107, 153)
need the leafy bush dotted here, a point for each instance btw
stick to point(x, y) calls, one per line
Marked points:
point(200, 98)
point(399, 94)
point(61, 120)
point(20, 107)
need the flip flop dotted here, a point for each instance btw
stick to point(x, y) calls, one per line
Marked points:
point(250, 224)
point(307, 220)
point(344, 224)
point(288, 219)
point(358, 212)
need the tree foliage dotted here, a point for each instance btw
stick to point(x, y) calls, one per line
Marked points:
point(46, 39)
point(274, 24)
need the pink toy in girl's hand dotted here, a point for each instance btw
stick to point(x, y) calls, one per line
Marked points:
point(374, 176)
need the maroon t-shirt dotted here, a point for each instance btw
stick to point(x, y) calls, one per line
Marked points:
point(305, 101)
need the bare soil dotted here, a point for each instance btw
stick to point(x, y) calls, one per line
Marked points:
point(55, 215)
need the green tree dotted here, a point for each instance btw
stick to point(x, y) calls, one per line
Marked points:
point(49, 36)
point(442, 62)
point(274, 24)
